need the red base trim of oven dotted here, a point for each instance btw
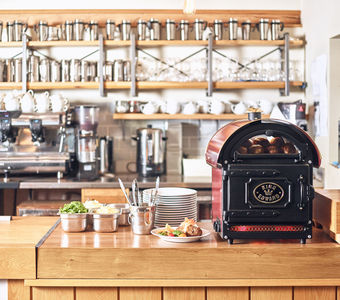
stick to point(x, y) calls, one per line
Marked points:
point(266, 228)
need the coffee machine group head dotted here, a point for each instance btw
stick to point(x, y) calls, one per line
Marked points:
point(86, 120)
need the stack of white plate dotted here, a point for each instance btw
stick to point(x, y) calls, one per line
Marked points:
point(173, 205)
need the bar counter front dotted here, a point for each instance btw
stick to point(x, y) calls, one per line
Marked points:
point(51, 264)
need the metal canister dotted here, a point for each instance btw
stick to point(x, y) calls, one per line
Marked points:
point(10, 31)
point(42, 31)
point(55, 71)
point(17, 70)
point(84, 65)
point(65, 70)
point(33, 68)
point(68, 30)
point(141, 29)
point(45, 70)
point(78, 30)
point(92, 71)
point(75, 74)
point(110, 29)
point(233, 26)
point(276, 28)
point(218, 30)
point(155, 29)
point(2, 70)
point(127, 70)
point(1, 27)
point(125, 29)
point(246, 27)
point(170, 27)
point(199, 26)
point(184, 30)
point(108, 71)
point(263, 27)
point(18, 28)
point(10, 70)
point(93, 30)
point(118, 70)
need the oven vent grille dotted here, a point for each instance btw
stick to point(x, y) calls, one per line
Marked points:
point(267, 228)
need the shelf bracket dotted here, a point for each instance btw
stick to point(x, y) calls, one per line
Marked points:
point(286, 63)
point(101, 66)
point(24, 64)
point(209, 66)
point(133, 65)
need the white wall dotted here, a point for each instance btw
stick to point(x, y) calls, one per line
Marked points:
point(320, 24)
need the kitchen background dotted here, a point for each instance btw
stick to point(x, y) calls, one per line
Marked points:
point(190, 137)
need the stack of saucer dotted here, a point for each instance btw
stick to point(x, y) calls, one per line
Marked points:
point(173, 205)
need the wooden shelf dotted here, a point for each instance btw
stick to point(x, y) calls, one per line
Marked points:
point(109, 43)
point(149, 85)
point(140, 116)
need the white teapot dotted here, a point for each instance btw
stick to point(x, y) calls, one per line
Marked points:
point(216, 107)
point(27, 102)
point(239, 108)
point(11, 102)
point(42, 102)
point(266, 106)
point(149, 108)
point(189, 108)
point(58, 103)
point(170, 107)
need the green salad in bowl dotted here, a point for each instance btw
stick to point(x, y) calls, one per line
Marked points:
point(75, 207)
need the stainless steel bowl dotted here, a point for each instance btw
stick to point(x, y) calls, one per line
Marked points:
point(73, 222)
point(125, 211)
point(105, 222)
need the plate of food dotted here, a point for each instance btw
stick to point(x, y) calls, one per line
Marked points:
point(187, 232)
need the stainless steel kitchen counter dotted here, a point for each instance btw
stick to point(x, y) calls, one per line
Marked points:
point(70, 183)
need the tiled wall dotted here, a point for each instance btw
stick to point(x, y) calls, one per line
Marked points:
point(187, 138)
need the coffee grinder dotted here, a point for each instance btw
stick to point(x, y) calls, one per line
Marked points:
point(86, 119)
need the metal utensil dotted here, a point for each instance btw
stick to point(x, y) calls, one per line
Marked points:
point(133, 187)
point(123, 189)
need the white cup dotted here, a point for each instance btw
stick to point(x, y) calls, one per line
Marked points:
point(42, 102)
point(239, 108)
point(58, 103)
point(216, 107)
point(170, 107)
point(27, 102)
point(11, 102)
point(266, 106)
point(189, 108)
point(148, 108)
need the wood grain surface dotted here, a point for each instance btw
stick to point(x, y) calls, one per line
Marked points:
point(144, 293)
point(184, 293)
point(83, 293)
point(314, 293)
point(277, 293)
point(50, 293)
point(229, 293)
point(17, 290)
point(104, 195)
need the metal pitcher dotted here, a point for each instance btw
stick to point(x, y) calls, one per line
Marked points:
point(2, 70)
point(118, 70)
point(42, 31)
point(125, 28)
point(18, 28)
point(233, 26)
point(10, 70)
point(218, 30)
point(141, 29)
point(68, 30)
point(263, 27)
point(246, 27)
point(127, 70)
point(1, 27)
point(108, 71)
point(55, 71)
point(110, 29)
point(155, 29)
point(75, 70)
point(45, 70)
point(184, 30)
point(199, 26)
point(17, 70)
point(10, 31)
point(276, 28)
point(78, 30)
point(170, 27)
point(65, 70)
point(33, 68)
point(84, 65)
point(92, 71)
point(142, 219)
point(93, 30)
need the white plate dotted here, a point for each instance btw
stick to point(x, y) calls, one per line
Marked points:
point(173, 192)
point(189, 239)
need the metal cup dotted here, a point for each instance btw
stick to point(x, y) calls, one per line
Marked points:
point(33, 68)
point(75, 70)
point(84, 65)
point(276, 28)
point(127, 70)
point(108, 71)
point(110, 29)
point(170, 27)
point(218, 30)
point(78, 30)
point(17, 70)
point(155, 29)
point(68, 30)
point(141, 30)
point(42, 31)
point(92, 71)
point(18, 29)
point(233, 25)
point(199, 26)
point(263, 27)
point(55, 71)
point(184, 30)
point(93, 30)
point(246, 26)
point(10, 31)
point(142, 219)
point(65, 70)
point(45, 70)
point(10, 70)
point(2, 70)
point(125, 28)
point(118, 70)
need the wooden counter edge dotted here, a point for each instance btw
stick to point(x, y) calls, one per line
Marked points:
point(180, 282)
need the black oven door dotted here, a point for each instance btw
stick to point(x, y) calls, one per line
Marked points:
point(261, 194)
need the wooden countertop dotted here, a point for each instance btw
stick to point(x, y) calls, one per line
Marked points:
point(18, 239)
point(332, 194)
point(122, 255)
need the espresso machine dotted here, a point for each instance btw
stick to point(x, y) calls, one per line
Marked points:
point(32, 143)
point(86, 121)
